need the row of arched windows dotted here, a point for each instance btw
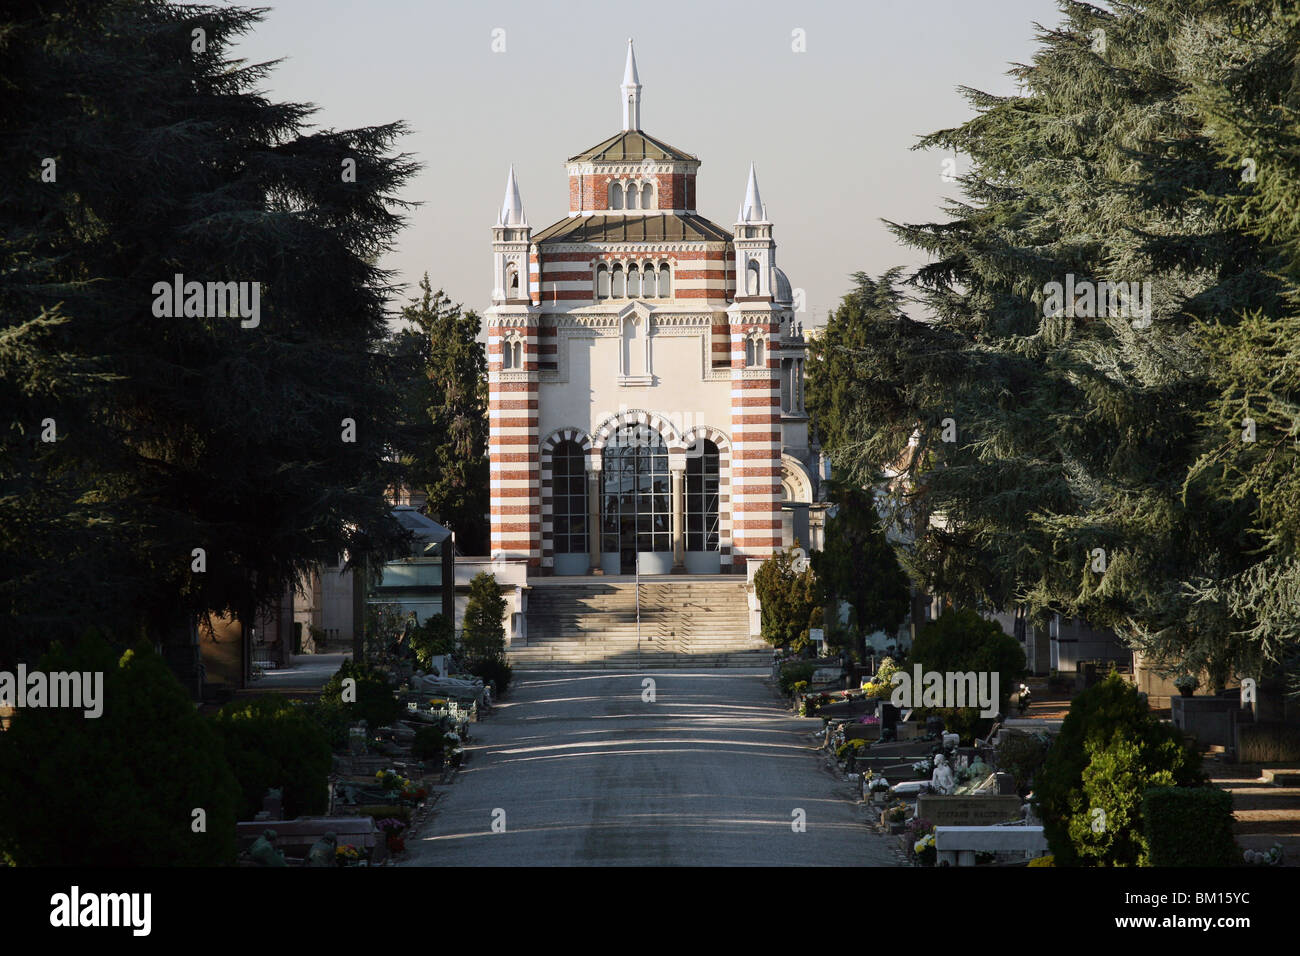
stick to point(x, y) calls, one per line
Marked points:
point(634, 281)
point(755, 351)
point(633, 195)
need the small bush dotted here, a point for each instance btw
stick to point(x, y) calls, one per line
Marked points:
point(270, 744)
point(436, 636)
point(794, 672)
point(376, 702)
point(496, 670)
point(430, 742)
point(1189, 826)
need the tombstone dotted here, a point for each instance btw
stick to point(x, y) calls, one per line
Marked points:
point(1006, 784)
point(965, 811)
point(272, 806)
point(357, 739)
point(934, 726)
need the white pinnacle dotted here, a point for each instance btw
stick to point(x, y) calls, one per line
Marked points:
point(752, 209)
point(512, 208)
point(631, 89)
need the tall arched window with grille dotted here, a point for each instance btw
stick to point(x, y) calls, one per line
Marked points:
point(702, 476)
point(569, 498)
point(615, 195)
point(647, 196)
point(633, 281)
point(618, 285)
point(602, 281)
point(665, 282)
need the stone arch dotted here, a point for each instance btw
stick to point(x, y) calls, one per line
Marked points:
point(796, 485)
point(635, 416)
point(707, 432)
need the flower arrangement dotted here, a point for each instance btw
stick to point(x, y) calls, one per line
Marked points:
point(1269, 857)
point(922, 767)
point(391, 825)
point(346, 855)
point(879, 784)
point(926, 850)
point(414, 794)
point(391, 780)
point(918, 825)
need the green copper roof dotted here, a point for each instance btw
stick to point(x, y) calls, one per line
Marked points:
point(663, 227)
point(631, 146)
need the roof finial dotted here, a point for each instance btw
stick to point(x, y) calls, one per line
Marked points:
point(631, 88)
point(512, 207)
point(752, 209)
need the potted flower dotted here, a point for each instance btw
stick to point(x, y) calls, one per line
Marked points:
point(347, 855)
point(925, 849)
point(1186, 684)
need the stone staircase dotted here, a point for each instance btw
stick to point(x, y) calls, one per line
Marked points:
point(685, 622)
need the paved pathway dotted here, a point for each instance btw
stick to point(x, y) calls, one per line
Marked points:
point(587, 773)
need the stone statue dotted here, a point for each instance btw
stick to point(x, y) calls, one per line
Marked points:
point(322, 851)
point(263, 851)
point(941, 780)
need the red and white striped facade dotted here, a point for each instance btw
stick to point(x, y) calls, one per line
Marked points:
point(626, 312)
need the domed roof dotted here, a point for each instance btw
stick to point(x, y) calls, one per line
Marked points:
point(784, 294)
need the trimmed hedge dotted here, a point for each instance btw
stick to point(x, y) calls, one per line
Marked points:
point(1189, 826)
point(271, 743)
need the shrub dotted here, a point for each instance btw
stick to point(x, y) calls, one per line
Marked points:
point(793, 672)
point(1048, 860)
point(497, 670)
point(1189, 826)
point(376, 703)
point(880, 686)
point(268, 743)
point(962, 641)
point(118, 790)
point(1109, 750)
point(331, 718)
point(437, 635)
point(1022, 756)
point(429, 743)
point(792, 601)
point(483, 635)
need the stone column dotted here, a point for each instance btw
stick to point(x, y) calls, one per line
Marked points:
point(679, 519)
point(593, 520)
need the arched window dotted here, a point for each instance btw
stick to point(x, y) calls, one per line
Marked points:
point(665, 282)
point(751, 278)
point(759, 358)
point(602, 281)
point(512, 282)
point(519, 354)
point(702, 496)
point(749, 351)
point(615, 194)
point(633, 281)
point(647, 197)
point(569, 498)
point(618, 288)
point(633, 194)
point(648, 280)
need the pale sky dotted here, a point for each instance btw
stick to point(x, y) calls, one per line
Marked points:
point(828, 129)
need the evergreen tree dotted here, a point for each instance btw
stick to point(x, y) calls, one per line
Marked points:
point(444, 368)
point(136, 150)
point(483, 635)
point(858, 565)
point(1054, 438)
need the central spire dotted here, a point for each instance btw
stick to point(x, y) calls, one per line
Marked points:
point(631, 92)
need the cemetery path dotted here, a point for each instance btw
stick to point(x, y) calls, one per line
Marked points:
point(581, 770)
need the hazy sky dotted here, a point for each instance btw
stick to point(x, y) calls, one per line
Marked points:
point(830, 129)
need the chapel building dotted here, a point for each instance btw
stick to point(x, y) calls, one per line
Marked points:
point(645, 375)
